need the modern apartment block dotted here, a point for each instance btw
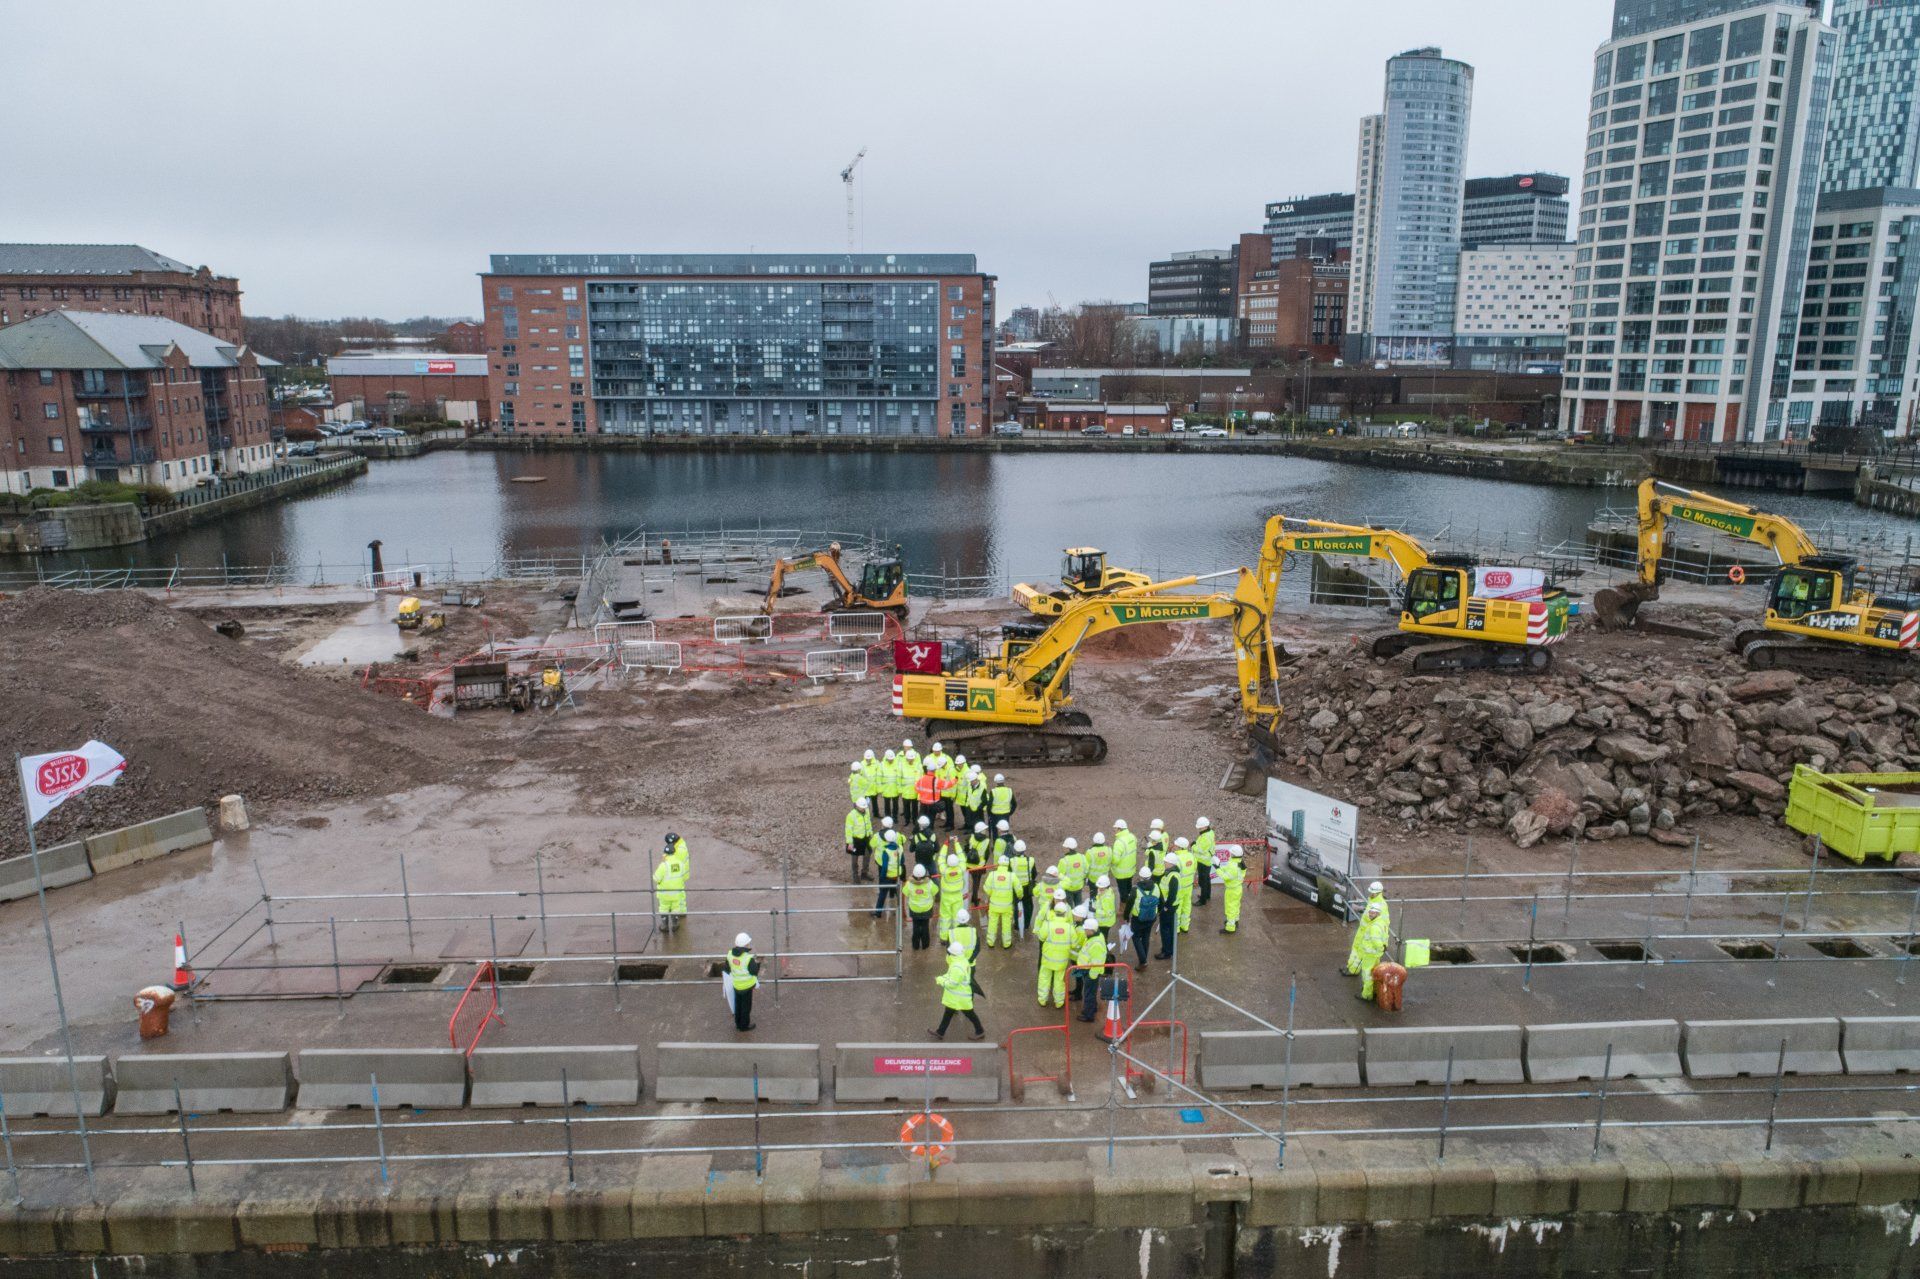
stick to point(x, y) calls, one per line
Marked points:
point(1520, 208)
point(1858, 349)
point(1512, 307)
point(116, 279)
point(739, 344)
point(1873, 133)
point(1696, 212)
point(1310, 217)
point(1411, 179)
point(140, 399)
point(1198, 282)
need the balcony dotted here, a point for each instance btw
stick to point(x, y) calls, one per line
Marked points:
point(130, 390)
point(99, 458)
point(97, 424)
point(215, 442)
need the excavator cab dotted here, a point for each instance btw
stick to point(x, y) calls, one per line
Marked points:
point(1816, 584)
point(1084, 569)
point(881, 579)
point(1438, 587)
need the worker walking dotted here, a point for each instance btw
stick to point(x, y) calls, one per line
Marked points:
point(1233, 883)
point(743, 970)
point(953, 890)
point(1125, 863)
point(1184, 860)
point(1073, 869)
point(858, 829)
point(1056, 952)
point(956, 994)
point(1001, 892)
point(964, 933)
point(921, 894)
point(1167, 887)
point(979, 857)
point(1203, 846)
point(1144, 910)
point(1000, 800)
point(1369, 940)
point(1092, 956)
point(670, 891)
point(1020, 862)
point(888, 867)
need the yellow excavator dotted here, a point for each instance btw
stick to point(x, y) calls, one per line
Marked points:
point(1444, 598)
point(1819, 618)
point(882, 586)
point(1084, 572)
point(1016, 706)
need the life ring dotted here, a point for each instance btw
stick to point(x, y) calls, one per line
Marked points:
point(1736, 575)
point(935, 1125)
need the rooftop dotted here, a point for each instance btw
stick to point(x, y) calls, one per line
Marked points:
point(822, 264)
point(84, 259)
point(96, 340)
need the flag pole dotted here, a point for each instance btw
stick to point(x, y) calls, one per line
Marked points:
point(53, 968)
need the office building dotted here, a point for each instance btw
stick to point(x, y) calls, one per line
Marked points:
point(1858, 348)
point(1410, 184)
point(739, 344)
point(1696, 211)
point(1511, 313)
point(1520, 208)
point(1170, 335)
point(116, 279)
point(1198, 282)
point(387, 387)
point(138, 399)
point(1873, 131)
point(1310, 217)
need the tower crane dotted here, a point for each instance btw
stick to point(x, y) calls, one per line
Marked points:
point(846, 180)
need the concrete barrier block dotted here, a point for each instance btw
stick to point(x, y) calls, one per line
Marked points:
point(39, 1086)
point(1258, 1059)
point(1564, 1051)
point(607, 1075)
point(725, 1072)
point(131, 845)
point(208, 1082)
point(904, 1072)
point(1418, 1054)
point(1880, 1045)
point(1726, 1049)
point(60, 865)
point(340, 1078)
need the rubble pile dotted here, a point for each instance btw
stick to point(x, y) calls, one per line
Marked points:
point(1599, 747)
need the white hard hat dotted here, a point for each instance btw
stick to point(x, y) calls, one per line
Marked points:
point(1145, 873)
point(960, 916)
point(962, 759)
point(886, 823)
point(1099, 838)
point(1103, 882)
point(1059, 894)
point(743, 940)
point(1376, 888)
point(1051, 870)
point(1070, 844)
point(1202, 823)
point(1373, 908)
point(955, 948)
point(1119, 823)
point(1002, 824)
point(1156, 824)
point(979, 828)
point(868, 755)
point(1080, 911)
point(999, 777)
point(889, 754)
point(953, 859)
point(1092, 925)
point(908, 744)
point(1178, 843)
point(859, 803)
point(854, 767)
point(890, 839)
point(925, 822)
point(1001, 860)
point(1019, 845)
point(919, 872)
point(936, 746)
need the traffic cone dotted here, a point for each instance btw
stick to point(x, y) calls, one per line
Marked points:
point(1110, 1028)
point(182, 975)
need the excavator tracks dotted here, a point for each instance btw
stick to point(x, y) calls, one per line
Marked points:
point(1824, 660)
point(1067, 739)
point(1453, 658)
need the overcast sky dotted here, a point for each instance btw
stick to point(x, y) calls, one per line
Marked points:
point(365, 158)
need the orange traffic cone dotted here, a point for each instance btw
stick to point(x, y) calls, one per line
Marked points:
point(182, 975)
point(1110, 1028)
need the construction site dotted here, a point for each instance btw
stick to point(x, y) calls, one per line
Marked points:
point(431, 1016)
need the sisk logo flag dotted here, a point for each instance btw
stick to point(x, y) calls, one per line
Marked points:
point(49, 781)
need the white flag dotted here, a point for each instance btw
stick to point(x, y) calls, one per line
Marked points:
point(49, 781)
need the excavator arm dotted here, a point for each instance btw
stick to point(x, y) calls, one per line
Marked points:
point(1657, 503)
point(1285, 536)
point(827, 560)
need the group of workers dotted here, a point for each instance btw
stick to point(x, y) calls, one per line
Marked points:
point(904, 793)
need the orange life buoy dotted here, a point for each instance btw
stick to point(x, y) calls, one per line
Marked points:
point(1736, 575)
point(935, 1125)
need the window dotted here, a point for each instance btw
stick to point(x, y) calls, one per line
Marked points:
point(569, 294)
point(56, 444)
point(46, 377)
point(50, 410)
point(955, 293)
point(59, 479)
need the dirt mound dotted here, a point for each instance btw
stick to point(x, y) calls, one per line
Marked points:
point(197, 715)
point(1626, 735)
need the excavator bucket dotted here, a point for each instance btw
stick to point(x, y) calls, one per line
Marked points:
point(1615, 607)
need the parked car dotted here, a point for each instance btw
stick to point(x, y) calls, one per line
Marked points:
point(1008, 428)
point(1093, 430)
point(306, 448)
point(395, 433)
point(1209, 433)
point(1126, 430)
point(1178, 424)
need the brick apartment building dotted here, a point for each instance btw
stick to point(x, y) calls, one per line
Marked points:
point(385, 385)
point(136, 398)
point(116, 279)
point(740, 344)
point(463, 337)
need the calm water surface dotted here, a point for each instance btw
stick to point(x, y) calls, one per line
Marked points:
point(985, 513)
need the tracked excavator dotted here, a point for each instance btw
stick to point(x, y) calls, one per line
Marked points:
point(1819, 618)
point(1016, 706)
point(1083, 572)
point(882, 586)
point(1444, 597)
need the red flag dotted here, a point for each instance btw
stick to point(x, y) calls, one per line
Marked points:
point(916, 657)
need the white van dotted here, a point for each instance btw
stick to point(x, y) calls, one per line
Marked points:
point(1178, 424)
